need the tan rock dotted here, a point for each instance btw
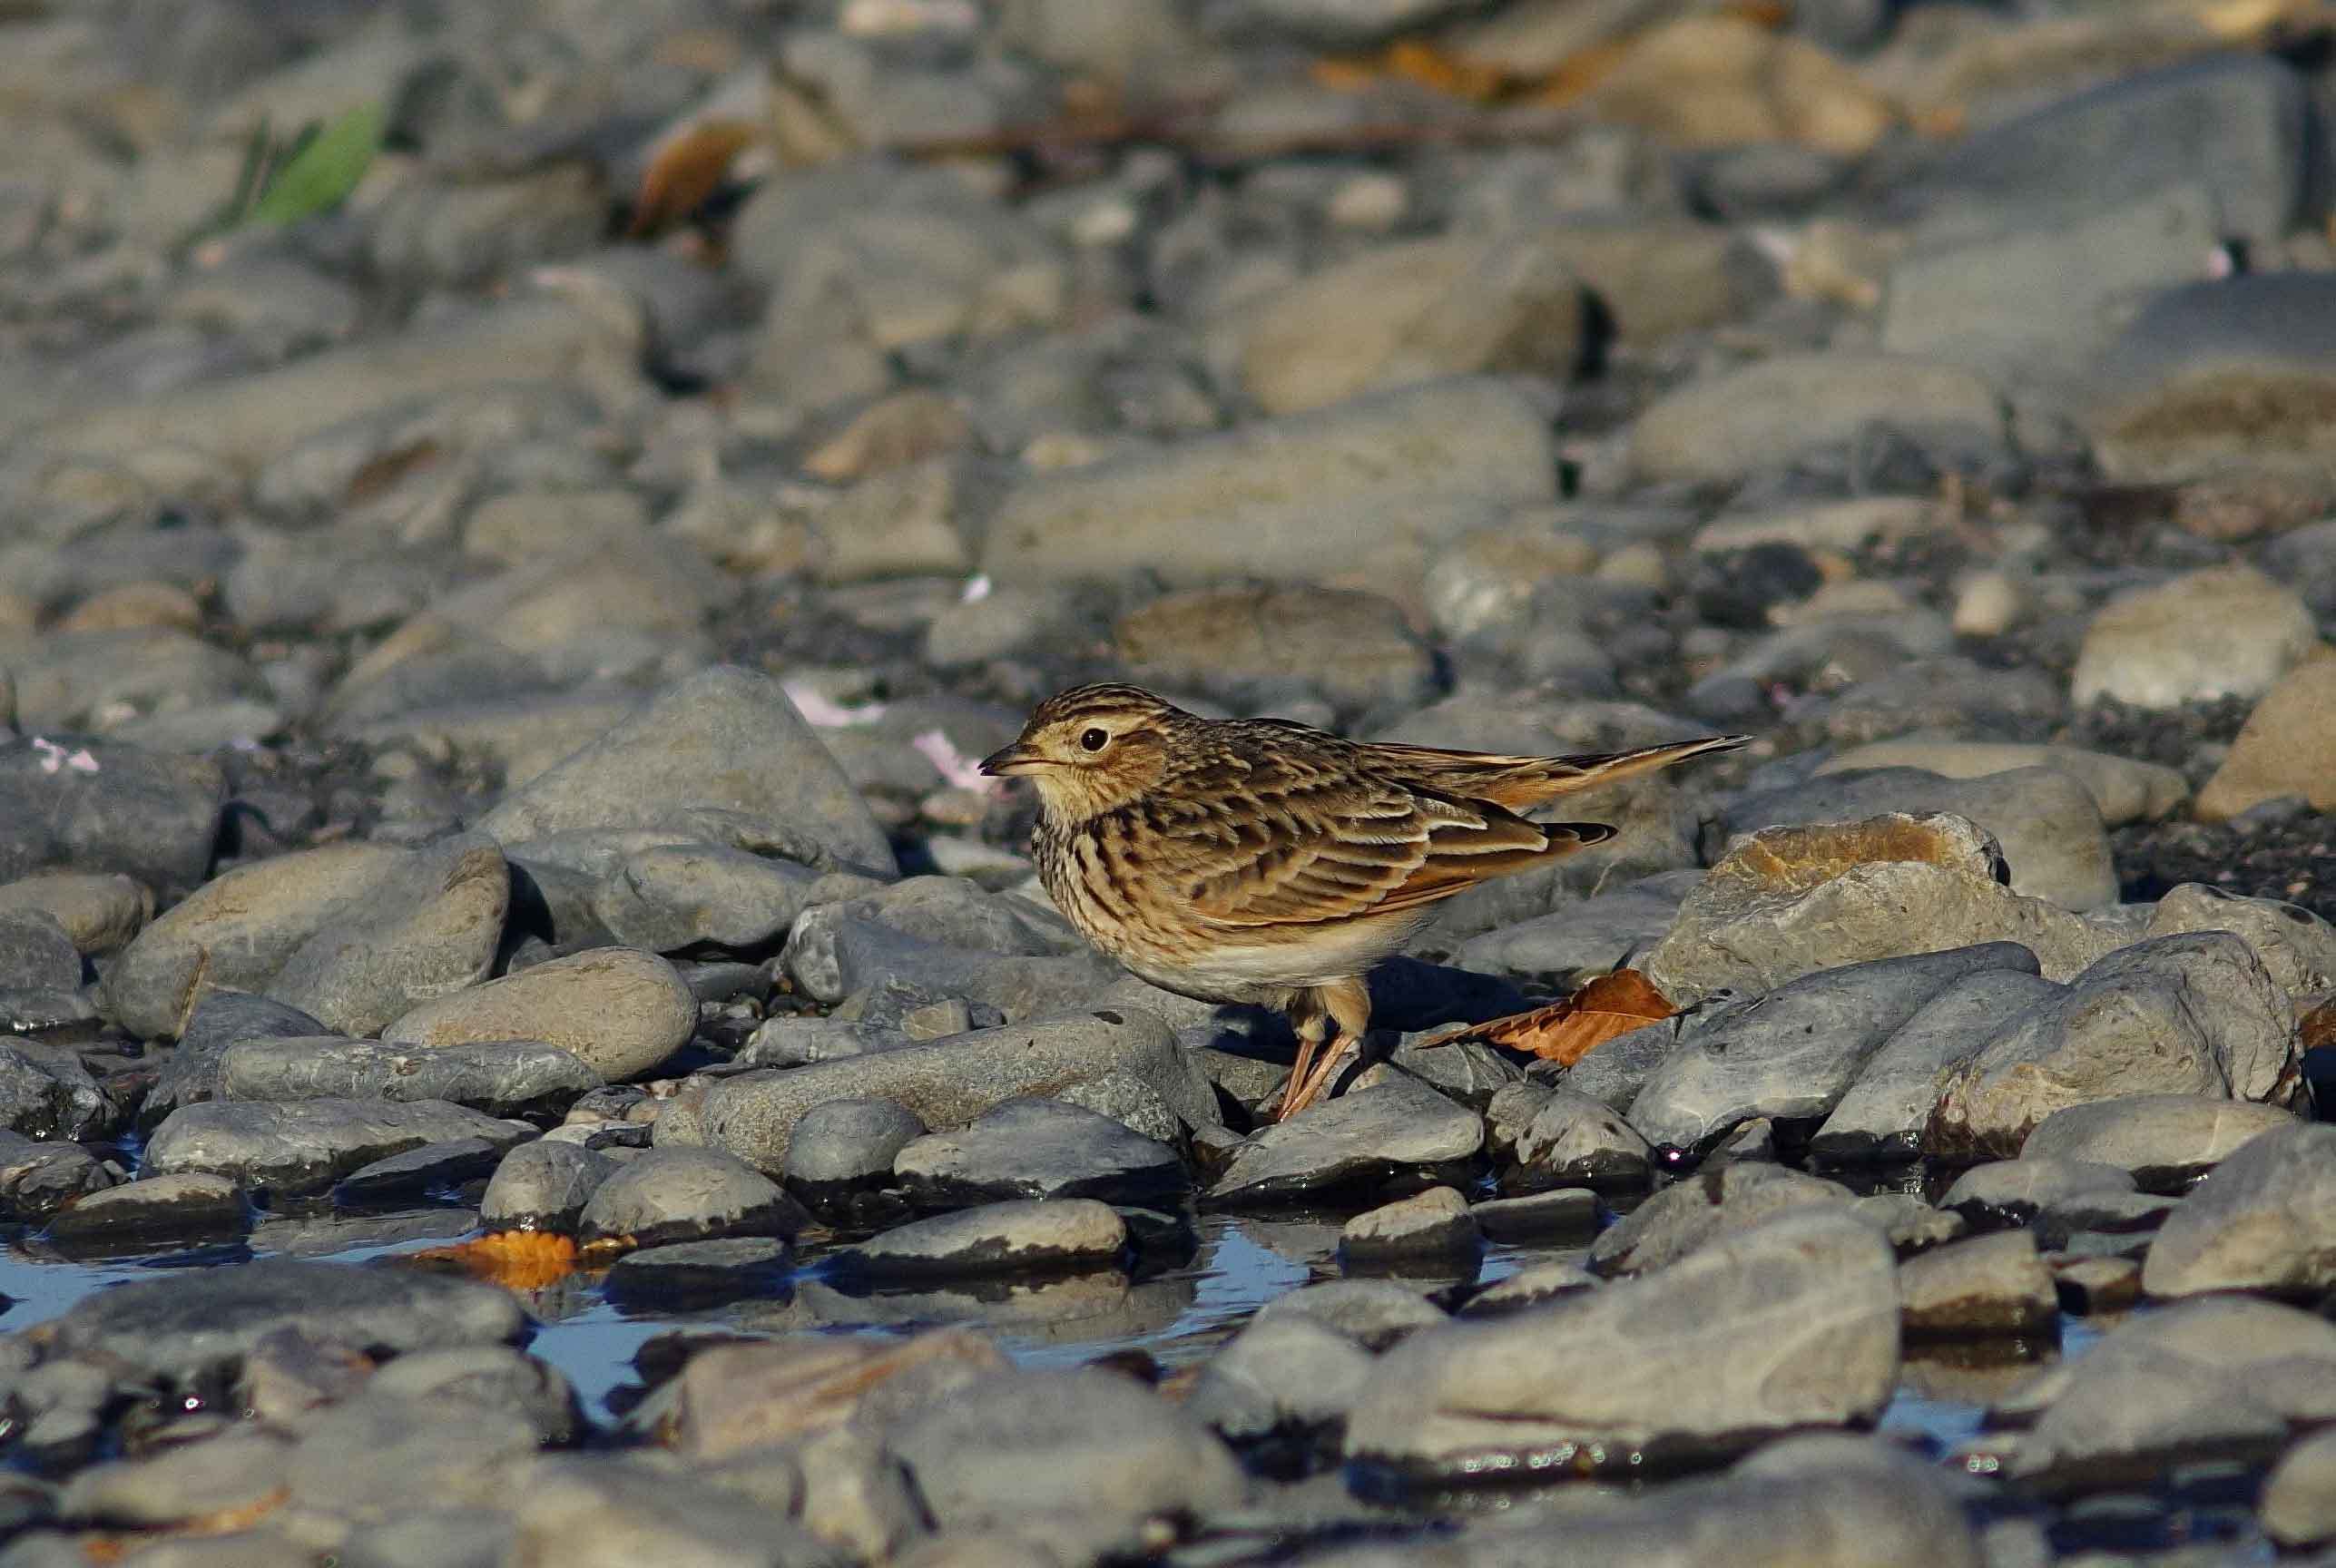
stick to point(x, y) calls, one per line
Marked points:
point(2224, 631)
point(1399, 314)
point(1718, 81)
point(135, 605)
point(2287, 747)
point(619, 1010)
point(903, 429)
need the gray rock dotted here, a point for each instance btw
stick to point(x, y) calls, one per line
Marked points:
point(1016, 1445)
point(1819, 1500)
point(1036, 1148)
point(2238, 125)
point(1386, 1123)
point(190, 1073)
point(502, 1078)
point(1718, 428)
point(184, 1324)
point(36, 952)
point(1792, 1053)
point(429, 928)
point(2044, 819)
point(2219, 632)
point(2299, 1497)
point(796, 1042)
point(1338, 24)
point(2037, 298)
point(2185, 1015)
point(1567, 1213)
point(2123, 789)
point(677, 895)
point(1593, 937)
point(411, 1176)
point(494, 1376)
point(1279, 1372)
point(1534, 1284)
point(619, 1010)
point(38, 1180)
point(2014, 1192)
point(1793, 1323)
point(1023, 1236)
point(234, 933)
point(93, 805)
point(948, 1083)
point(2132, 1411)
point(47, 1093)
point(1573, 1140)
point(1703, 1209)
point(100, 911)
point(237, 1469)
point(1788, 901)
point(849, 1144)
point(1614, 1074)
point(543, 1186)
point(1881, 1115)
point(382, 1455)
point(686, 1275)
point(1374, 1313)
point(2165, 1140)
point(1988, 1285)
point(1429, 1227)
point(724, 739)
point(1232, 643)
point(833, 956)
point(189, 1207)
point(295, 1147)
point(688, 1195)
point(1276, 499)
point(2263, 1222)
point(2297, 947)
point(1912, 1225)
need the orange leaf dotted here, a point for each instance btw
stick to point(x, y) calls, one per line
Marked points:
point(686, 171)
point(1565, 1031)
point(515, 1260)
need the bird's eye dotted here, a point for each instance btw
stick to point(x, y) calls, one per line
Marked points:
point(1094, 739)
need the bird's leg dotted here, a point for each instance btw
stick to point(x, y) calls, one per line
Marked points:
point(1343, 1006)
point(1312, 1021)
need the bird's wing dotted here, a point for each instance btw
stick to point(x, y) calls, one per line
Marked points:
point(1301, 845)
point(1520, 783)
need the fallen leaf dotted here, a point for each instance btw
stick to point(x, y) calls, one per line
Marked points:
point(2319, 1027)
point(685, 172)
point(321, 174)
point(1565, 1031)
point(515, 1260)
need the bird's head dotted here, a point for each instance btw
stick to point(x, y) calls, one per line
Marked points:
point(1091, 748)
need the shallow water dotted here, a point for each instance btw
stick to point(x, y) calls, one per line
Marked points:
point(1177, 1316)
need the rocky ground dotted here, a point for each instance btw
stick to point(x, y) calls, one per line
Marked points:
point(493, 627)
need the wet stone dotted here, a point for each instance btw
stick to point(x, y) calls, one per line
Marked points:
point(47, 1093)
point(37, 1179)
point(1281, 1372)
point(305, 1146)
point(179, 1325)
point(2263, 1222)
point(1564, 1214)
point(691, 1274)
point(190, 1073)
point(1792, 1053)
point(2089, 1287)
point(1791, 1323)
point(1695, 1212)
point(494, 1376)
point(1374, 1313)
point(1433, 1226)
point(1535, 1284)
point(543, 1186)
point(1988, 1285)
point(849, 1145)
point(419, 1173)
point(2014, 1192)
point(669, 1195)
point(2165, 1140)
point(1881, 1117)
point(1573, 1141)
point(1033, 1147)
point(502, 1078)
point(1023, 1236)
point(1386, 1123)
point(189, 1208)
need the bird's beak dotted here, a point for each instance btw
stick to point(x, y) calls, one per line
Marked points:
point(1011, 760)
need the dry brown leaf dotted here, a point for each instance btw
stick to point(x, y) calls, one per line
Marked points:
point(515, 1260)
point(2318, 1028)
point(1565, 1031)
point(685, 172)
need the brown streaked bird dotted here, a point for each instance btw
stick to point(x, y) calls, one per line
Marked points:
point(1268, 862)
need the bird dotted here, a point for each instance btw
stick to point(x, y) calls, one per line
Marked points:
point(1267, 862)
